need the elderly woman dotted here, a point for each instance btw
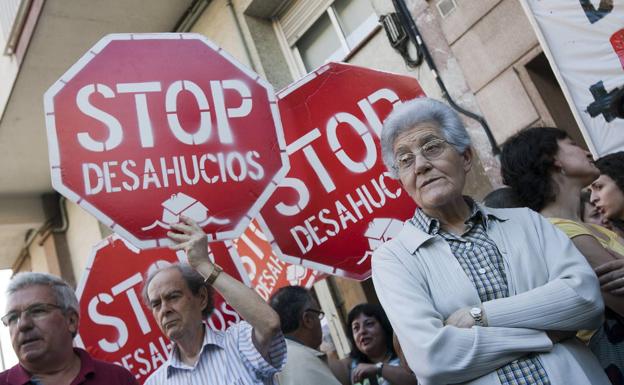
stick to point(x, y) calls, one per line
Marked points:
point(478, 295)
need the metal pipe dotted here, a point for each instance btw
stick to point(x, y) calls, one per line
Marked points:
point(240, 33)
point(412, 30)
point(186, 22)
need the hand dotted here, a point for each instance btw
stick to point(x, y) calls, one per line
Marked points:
point(188, 236)
point(463, 319)
point(558, 335)
point(611, 276)
point(363, 371)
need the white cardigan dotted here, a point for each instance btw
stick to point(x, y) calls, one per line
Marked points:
point(420, 283)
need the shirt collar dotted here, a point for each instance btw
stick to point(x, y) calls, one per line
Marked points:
point(420, 228)
point(318, 353)
point(211, 338)
point(19, 376)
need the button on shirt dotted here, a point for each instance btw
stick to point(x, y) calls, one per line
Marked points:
point(483, 264)
point(226, 358)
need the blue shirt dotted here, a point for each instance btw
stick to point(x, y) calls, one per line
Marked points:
point(226, 358)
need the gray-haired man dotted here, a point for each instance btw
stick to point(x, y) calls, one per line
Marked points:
point(42, 317)
point(250, 352)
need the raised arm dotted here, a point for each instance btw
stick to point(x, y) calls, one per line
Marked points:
point(436, 353)
point(189, 237)
point(569, 301)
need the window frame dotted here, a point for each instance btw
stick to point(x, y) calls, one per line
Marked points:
point(349, 45)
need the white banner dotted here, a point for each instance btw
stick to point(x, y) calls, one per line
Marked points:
point(584, 42)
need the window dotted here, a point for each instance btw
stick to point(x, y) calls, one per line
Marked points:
point(316, 32)
point(12, 17)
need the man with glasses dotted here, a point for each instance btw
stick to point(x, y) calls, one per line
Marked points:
point(42, 316)
point(300, 318)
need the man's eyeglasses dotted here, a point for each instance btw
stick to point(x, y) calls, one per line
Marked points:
point(431, 150)
point(320, 313)
point(33, 312)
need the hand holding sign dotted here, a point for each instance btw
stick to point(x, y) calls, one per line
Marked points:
point(192, 239)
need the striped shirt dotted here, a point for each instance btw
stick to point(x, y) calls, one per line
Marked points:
point(483, 264)
point(226, 358)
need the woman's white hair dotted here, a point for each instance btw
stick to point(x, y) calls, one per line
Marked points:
point(417, 111)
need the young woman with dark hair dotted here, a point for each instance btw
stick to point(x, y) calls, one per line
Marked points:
point(548, 172)
point(373, 360)
point(607, 192)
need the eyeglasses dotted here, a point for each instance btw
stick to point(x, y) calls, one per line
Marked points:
point(430, 151)
point(320, 313)
point(33, 312)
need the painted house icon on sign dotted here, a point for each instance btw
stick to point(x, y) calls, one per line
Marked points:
point(379, 231)
point(182, 204)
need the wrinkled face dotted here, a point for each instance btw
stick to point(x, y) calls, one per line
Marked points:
point(435, 181)
point(45, 333)
point(368, 335)
point(607, 197)
point(575, 161)
point(176, 310)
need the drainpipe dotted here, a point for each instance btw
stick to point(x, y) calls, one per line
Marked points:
point(240, 34)
point(193, 12)
point(412, 30)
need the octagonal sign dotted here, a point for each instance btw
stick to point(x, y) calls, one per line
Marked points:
point(337, 202)
point(147, 127)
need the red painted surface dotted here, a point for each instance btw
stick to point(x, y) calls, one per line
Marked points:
point(337, 203)
point(146, 127)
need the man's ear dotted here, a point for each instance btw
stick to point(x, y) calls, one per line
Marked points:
point(306, 320)
point(467, 157)
point(72, 321)
point(204, 297)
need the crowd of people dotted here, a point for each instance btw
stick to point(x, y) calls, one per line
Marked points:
point(523, 288)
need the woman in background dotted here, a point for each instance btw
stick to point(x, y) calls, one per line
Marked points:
point(373, 360)
point(548, 172)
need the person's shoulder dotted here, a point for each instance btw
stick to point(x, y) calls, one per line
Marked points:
point(514, 216)
point(13, 374)
point(505, 213)
point(300, 350)
point(113, 372)
point(157, 376)
point(571, 227)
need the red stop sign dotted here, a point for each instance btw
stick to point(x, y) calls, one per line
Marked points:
point(145, 127)
point(266, 271)
point(115, 325)
point(337, 203)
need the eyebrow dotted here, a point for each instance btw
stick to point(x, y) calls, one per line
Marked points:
point(165, 295)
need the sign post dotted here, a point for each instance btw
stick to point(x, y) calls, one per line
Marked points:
point(338, 202)
point(146, 127)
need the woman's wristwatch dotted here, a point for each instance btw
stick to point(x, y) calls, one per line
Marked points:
point(477, 316)
point(379, 366)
